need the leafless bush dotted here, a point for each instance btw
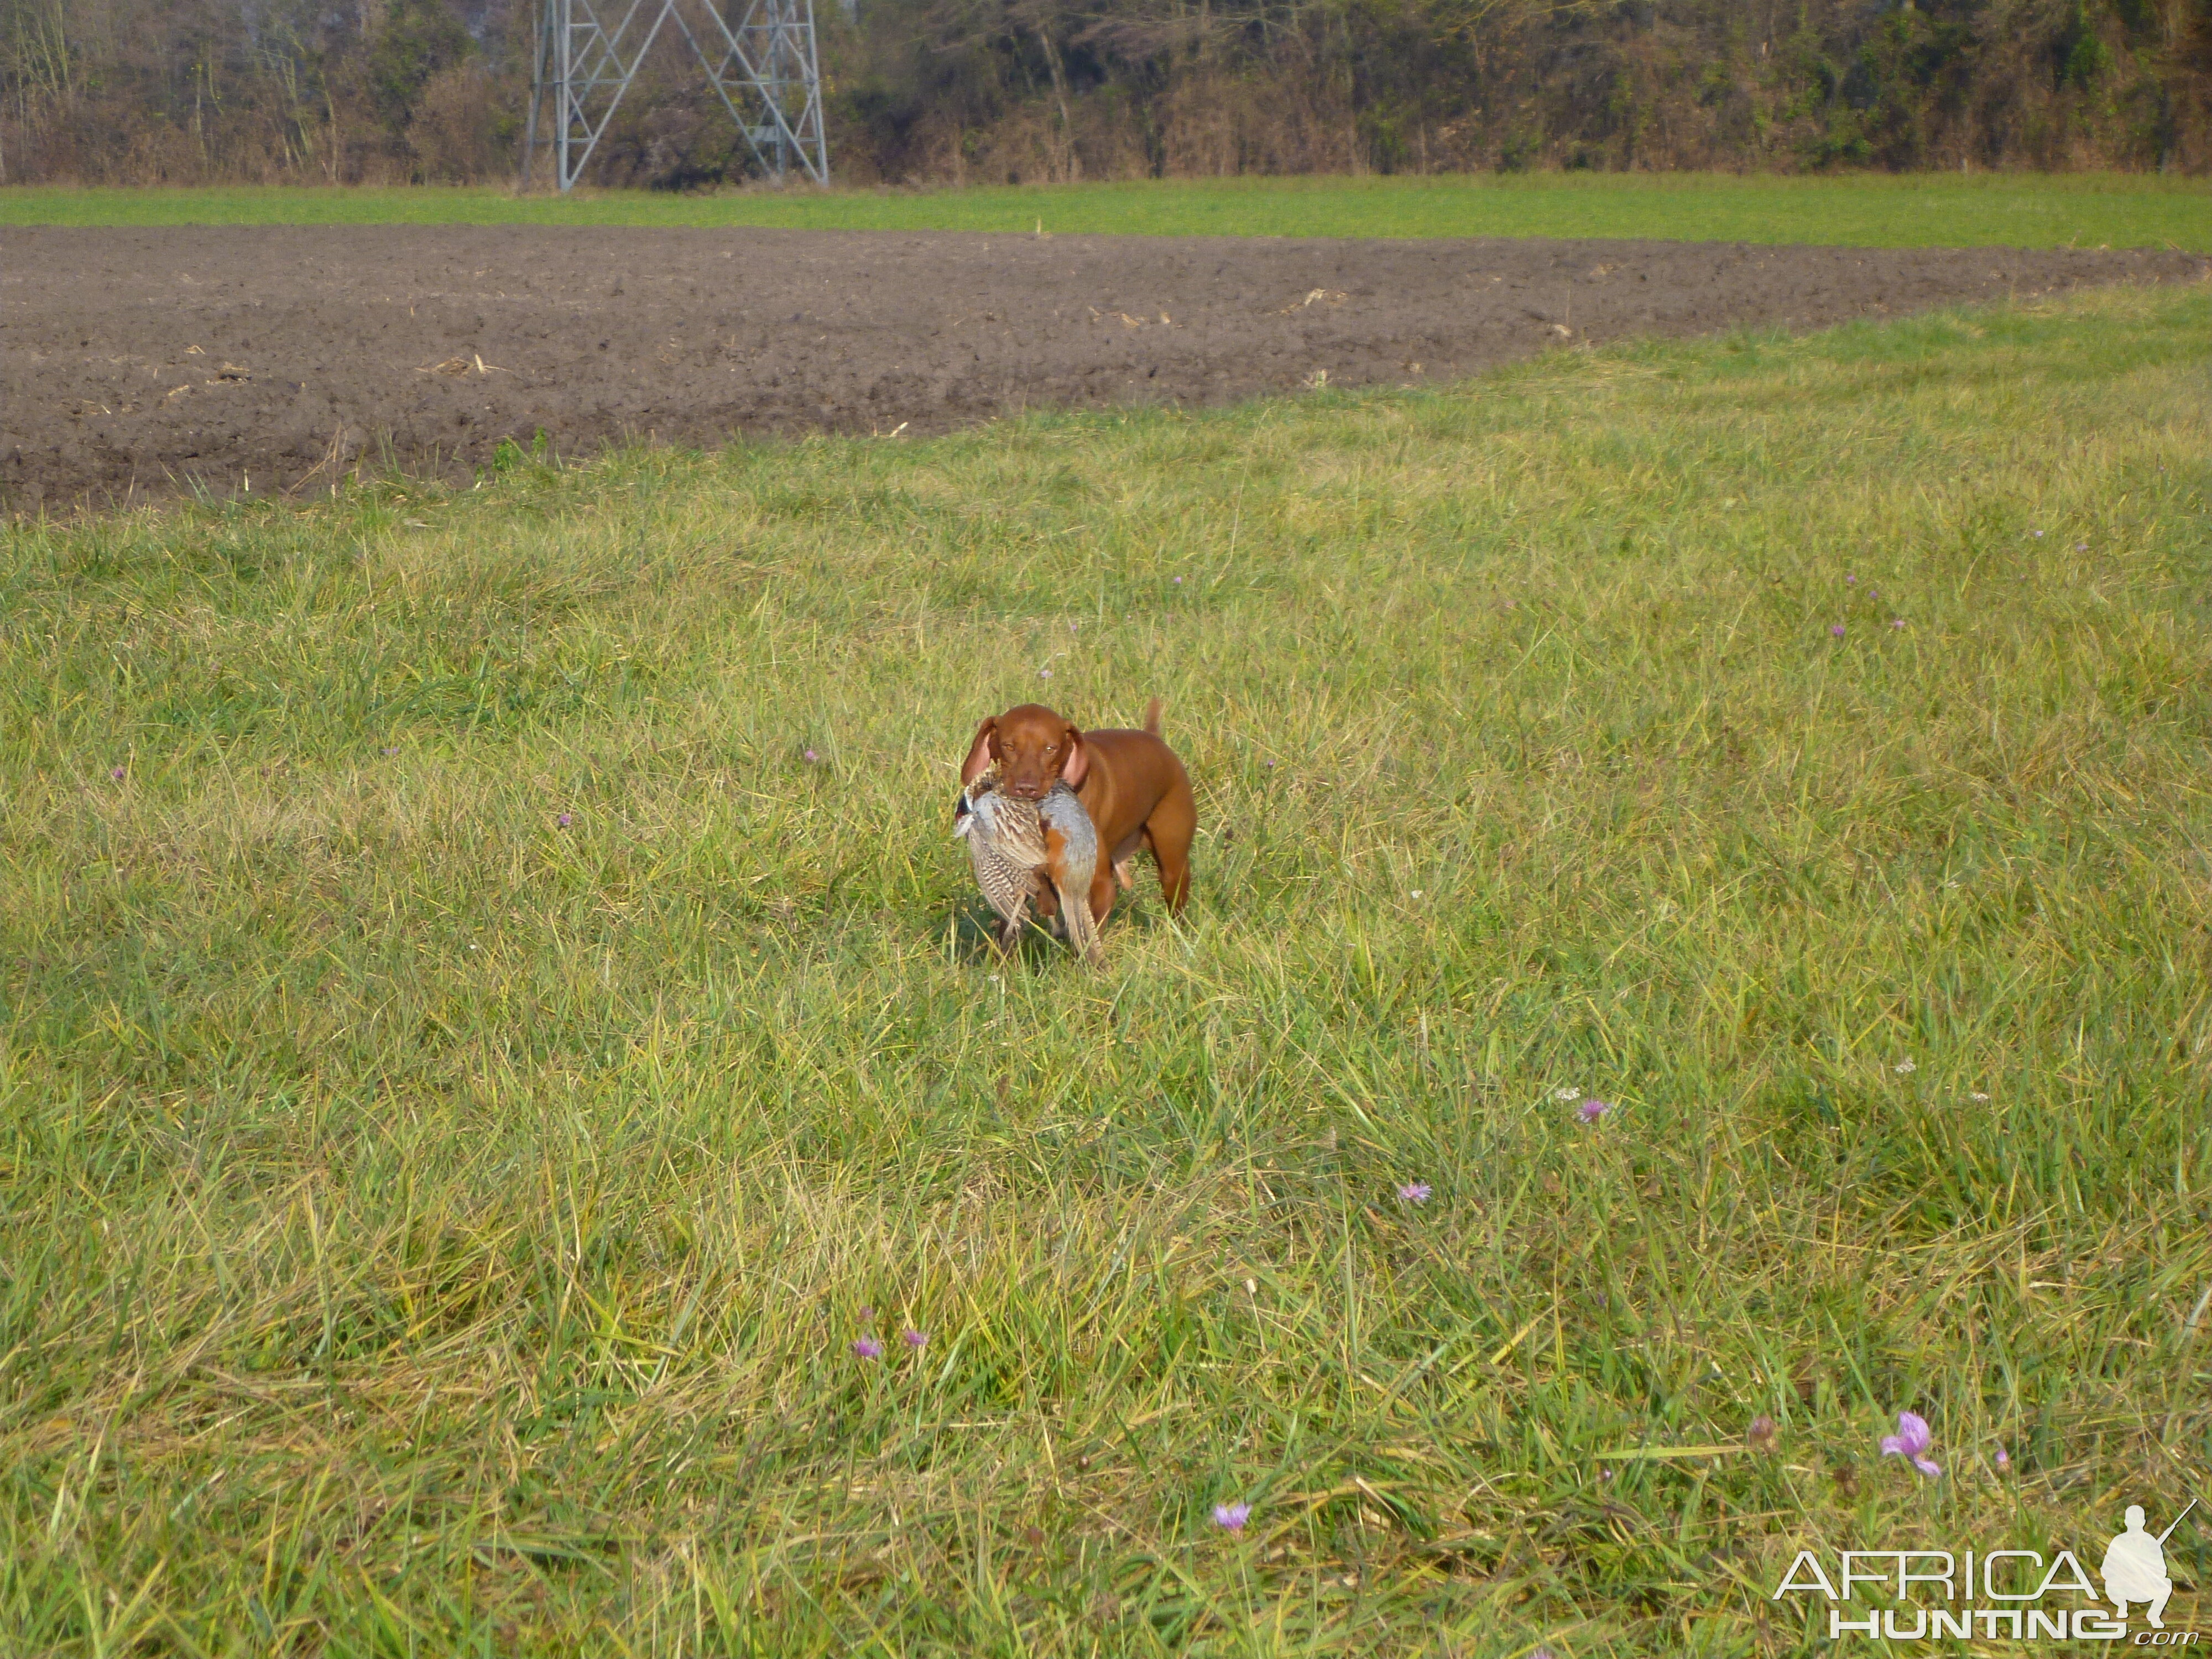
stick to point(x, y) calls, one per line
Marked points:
point(451, 131)
point(967, 91)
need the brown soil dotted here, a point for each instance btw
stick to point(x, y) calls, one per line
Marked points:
point(138, 361)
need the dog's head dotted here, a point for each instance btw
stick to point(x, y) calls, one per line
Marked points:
point(1034, 748)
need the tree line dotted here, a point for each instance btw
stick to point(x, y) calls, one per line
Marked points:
point(995, 91)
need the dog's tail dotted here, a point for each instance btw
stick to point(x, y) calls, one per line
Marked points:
point(1152, 717)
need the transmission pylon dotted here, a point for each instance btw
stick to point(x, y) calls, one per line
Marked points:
point(764, 68)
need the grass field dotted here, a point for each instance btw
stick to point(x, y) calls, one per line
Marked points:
point(493, 1016)
point(1872, 210)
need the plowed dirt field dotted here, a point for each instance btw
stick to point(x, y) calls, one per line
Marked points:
point(273, 359)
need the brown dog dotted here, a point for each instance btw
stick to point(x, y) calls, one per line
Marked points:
point(1130, 782)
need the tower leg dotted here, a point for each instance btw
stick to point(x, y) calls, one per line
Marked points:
point(768, 77)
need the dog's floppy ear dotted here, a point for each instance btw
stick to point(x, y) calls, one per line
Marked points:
point(981, 752)
point(1077, 766)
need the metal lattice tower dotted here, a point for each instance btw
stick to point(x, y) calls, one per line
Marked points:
point(764, 70)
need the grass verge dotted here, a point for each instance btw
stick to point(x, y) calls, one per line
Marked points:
point(471, 1078)
point(1864, 210)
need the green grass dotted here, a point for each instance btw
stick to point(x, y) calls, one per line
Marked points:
point(433, 1229)
point(1872, 211)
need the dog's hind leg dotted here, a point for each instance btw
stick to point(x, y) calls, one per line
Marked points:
point(1169, 833)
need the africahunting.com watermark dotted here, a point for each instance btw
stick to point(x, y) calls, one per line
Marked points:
point(1998, 1596)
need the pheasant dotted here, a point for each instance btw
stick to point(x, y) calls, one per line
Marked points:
point(1025, 849)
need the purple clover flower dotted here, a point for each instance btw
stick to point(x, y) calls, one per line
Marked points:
point(1911, 1441)
point(565, 820)
point(914, 1338)
point(1414, 1192)
point(1850, 579)
point(1590, 1110)
point(1837, 629)
point(1896, 622)
point(1231, 1517)
point(116, 774)
point(811, 756)
point(868, 1348)
point(2003, 1460)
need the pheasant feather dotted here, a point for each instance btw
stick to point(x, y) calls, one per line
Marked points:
point(1025, 849)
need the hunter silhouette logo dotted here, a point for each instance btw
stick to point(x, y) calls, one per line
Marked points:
point(2135, 1567)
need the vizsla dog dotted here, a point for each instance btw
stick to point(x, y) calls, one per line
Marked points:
point(1130, 782)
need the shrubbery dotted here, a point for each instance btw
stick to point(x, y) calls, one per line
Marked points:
point(967, 91)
